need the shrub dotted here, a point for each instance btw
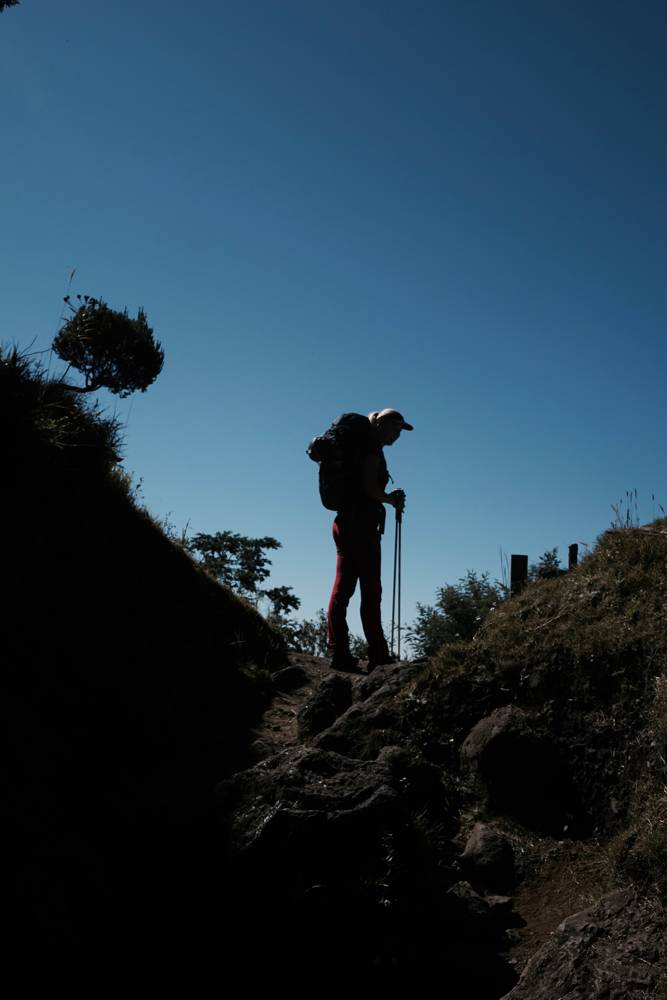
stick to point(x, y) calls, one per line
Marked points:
point(110, 349)
point(458, 613)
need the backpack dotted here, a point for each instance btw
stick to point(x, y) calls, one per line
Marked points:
point(339, 452)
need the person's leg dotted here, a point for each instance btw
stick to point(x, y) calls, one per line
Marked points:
point(343, 589)
point(370, 582)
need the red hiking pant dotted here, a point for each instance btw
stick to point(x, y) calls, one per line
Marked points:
point(357, 558)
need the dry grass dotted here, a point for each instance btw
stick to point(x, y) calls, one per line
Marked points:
point(586, 653)
point(640, 851)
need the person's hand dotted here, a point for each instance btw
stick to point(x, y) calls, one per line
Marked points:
point(397, 500)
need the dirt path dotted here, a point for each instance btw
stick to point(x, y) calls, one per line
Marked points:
point(278, 727)
point(565, 875)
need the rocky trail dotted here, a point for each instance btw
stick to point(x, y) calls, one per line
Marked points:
point(343, 826)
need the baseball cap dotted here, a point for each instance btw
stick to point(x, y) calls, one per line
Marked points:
point(396, 417)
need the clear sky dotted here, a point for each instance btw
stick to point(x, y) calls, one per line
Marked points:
point(458, 209)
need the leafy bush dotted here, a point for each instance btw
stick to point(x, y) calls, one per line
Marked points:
point(306, 636)
point(457, 614)
point(310, 636)
point(547, 567)
point(241, 564)
point(110, 349)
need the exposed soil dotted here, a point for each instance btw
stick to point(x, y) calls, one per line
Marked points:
point(278, 726)
point(565, 877)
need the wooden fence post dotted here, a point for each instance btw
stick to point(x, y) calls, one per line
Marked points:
point(518, 573)
point(572, 556)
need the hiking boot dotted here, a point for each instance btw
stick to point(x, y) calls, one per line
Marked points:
point(381, 661)
point(345, 661)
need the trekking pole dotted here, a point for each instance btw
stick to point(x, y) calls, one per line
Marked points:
point(396, 587)
point(393, 589)
point(399, 520)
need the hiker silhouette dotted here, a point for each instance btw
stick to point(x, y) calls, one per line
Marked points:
point(353, 480)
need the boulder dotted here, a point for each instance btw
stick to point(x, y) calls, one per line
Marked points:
point(275, 803)
point(479, 933)
point(389, 678)
point(374, 720)
point(330, 700)
point(525, 772)
point(488, 859)
point(474, 906)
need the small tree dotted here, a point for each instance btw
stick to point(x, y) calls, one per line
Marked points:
point(282, 601)
point(457, 615)
point(109, 348)
point(547, 567)
point(241, 564)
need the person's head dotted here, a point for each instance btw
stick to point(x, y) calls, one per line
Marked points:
point(388, 425)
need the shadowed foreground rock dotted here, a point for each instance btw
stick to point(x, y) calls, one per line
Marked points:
point(353, 847)
point(613, 951)
point(332, 698)
point(489, 859)
point(375, 719)
point(525, 774)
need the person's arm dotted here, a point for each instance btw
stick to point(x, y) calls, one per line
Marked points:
point(371, 484)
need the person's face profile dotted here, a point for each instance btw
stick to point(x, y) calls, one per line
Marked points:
point(391, 432)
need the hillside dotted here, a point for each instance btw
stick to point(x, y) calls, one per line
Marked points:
point(557, 717)
point(495, 818)
point(177, 790)
point(130, 682)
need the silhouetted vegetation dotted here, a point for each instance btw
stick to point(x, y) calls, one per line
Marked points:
point(457, 614)
point(310, 635)
point(461, 608)
point(110, 349)
point(241, 564)
point(547, 567)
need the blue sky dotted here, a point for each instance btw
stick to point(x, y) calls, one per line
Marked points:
point(458, 209)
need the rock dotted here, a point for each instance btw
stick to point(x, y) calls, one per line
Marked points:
point(614, 950)
point(331, 698)
point(390, 678)
point(340, 851)
point(475, 906)
point(508, 721)
point(488, 859)
point(479, 930)
point(502, 911)
point(525, 773)
point(360, 732)
point(290, 678)
point(261, 748)
point(275, 803)
point(374, 720)
point(491, 915)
